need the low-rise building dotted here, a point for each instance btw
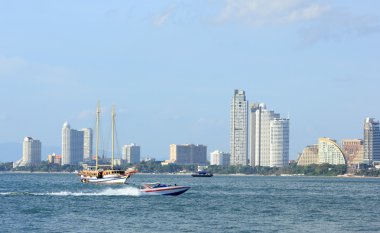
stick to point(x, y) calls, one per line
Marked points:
point(308, 156)
point(188, 154)
point(353, 150)
point(330, 152)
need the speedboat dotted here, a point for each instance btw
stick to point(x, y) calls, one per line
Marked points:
point(162, 189)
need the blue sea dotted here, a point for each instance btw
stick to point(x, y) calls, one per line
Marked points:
point(43, 202)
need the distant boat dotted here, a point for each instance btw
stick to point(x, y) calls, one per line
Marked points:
point(202, 174)
point(162, 189)
point(107, 174)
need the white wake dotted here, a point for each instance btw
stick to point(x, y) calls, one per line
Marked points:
point(127, 191)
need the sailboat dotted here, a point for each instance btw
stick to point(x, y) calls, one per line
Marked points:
point(105, 174)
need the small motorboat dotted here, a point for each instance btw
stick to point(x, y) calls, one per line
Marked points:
point(162, 189)
point(202, 174)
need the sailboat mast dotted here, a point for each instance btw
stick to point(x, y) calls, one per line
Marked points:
point(97, 135)
point(113, 135)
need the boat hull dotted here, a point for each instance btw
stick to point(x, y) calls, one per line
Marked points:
point(170, 191)
point(198, 175)
point(105, 180)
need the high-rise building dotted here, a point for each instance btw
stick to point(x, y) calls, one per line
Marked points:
point(87, 143)
point(371, 141)
point(260, 134)
point(188, 154)
point(220, 158)
point(329, 152)
point(72, 145)
point(31, 152)
point(131, 153)
point(239, 129)
point(308, 156)
point(279, 142)
point(353, 150)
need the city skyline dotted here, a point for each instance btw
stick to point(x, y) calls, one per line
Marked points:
point(170, 68)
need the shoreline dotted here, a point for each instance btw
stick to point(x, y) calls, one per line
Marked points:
point(189, 174)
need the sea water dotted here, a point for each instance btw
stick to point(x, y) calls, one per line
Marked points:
point(46, 202)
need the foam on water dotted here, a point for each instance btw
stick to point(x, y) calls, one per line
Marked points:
point(127, 191)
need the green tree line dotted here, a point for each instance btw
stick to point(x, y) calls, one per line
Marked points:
point(157, 167)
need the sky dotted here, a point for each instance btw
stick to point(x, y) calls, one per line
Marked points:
point(171, 68)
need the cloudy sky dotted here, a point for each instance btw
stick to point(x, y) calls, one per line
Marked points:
point(171, 68)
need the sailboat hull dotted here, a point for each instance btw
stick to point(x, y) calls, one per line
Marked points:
point(110, 180)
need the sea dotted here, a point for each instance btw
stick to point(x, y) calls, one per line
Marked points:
point(58, 202)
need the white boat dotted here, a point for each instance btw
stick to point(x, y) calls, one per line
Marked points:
point(105, 174)
point(162, 189)
point(108, 176)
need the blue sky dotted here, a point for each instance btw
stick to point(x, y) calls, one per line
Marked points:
point(171, 68)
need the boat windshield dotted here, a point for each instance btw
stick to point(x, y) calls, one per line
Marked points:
point(155, 185)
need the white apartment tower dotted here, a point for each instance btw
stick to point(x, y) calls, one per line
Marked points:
point(371, 141)
point(239, 129)
point(131, 153)
point(72, 145)
point(31, 152)
point(279, 142)
point(260, 135)
point(87, 143)
point(220, 158)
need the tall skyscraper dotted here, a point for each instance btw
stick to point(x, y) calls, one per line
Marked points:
point(279, 142)
point(260, 134)
point(131, 153)
point(31, 152)
point(239, 129)
point(188, 154)
point(371, 141)
point(87, 143)
point(72, 145)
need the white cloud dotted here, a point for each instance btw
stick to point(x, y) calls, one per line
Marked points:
point(307, 13)
point(164, 16)
point(339, 25)
point(316, 21)
point(86, 114)
point(264, 12)
point(9, 65)
point(4, 117)
point(16, 68)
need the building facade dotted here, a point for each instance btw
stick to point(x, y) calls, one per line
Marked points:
point(308, 156)
point(31, 152)
point(329, 152)
point(87, 143)
point(188, 154)
point(219, 158)
point(371, 141)
point(131, 153)
point(72, 145)
point(260, 134)
point(54, 159)
point(239, 129)
point(353, 150)
point(279, 142)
